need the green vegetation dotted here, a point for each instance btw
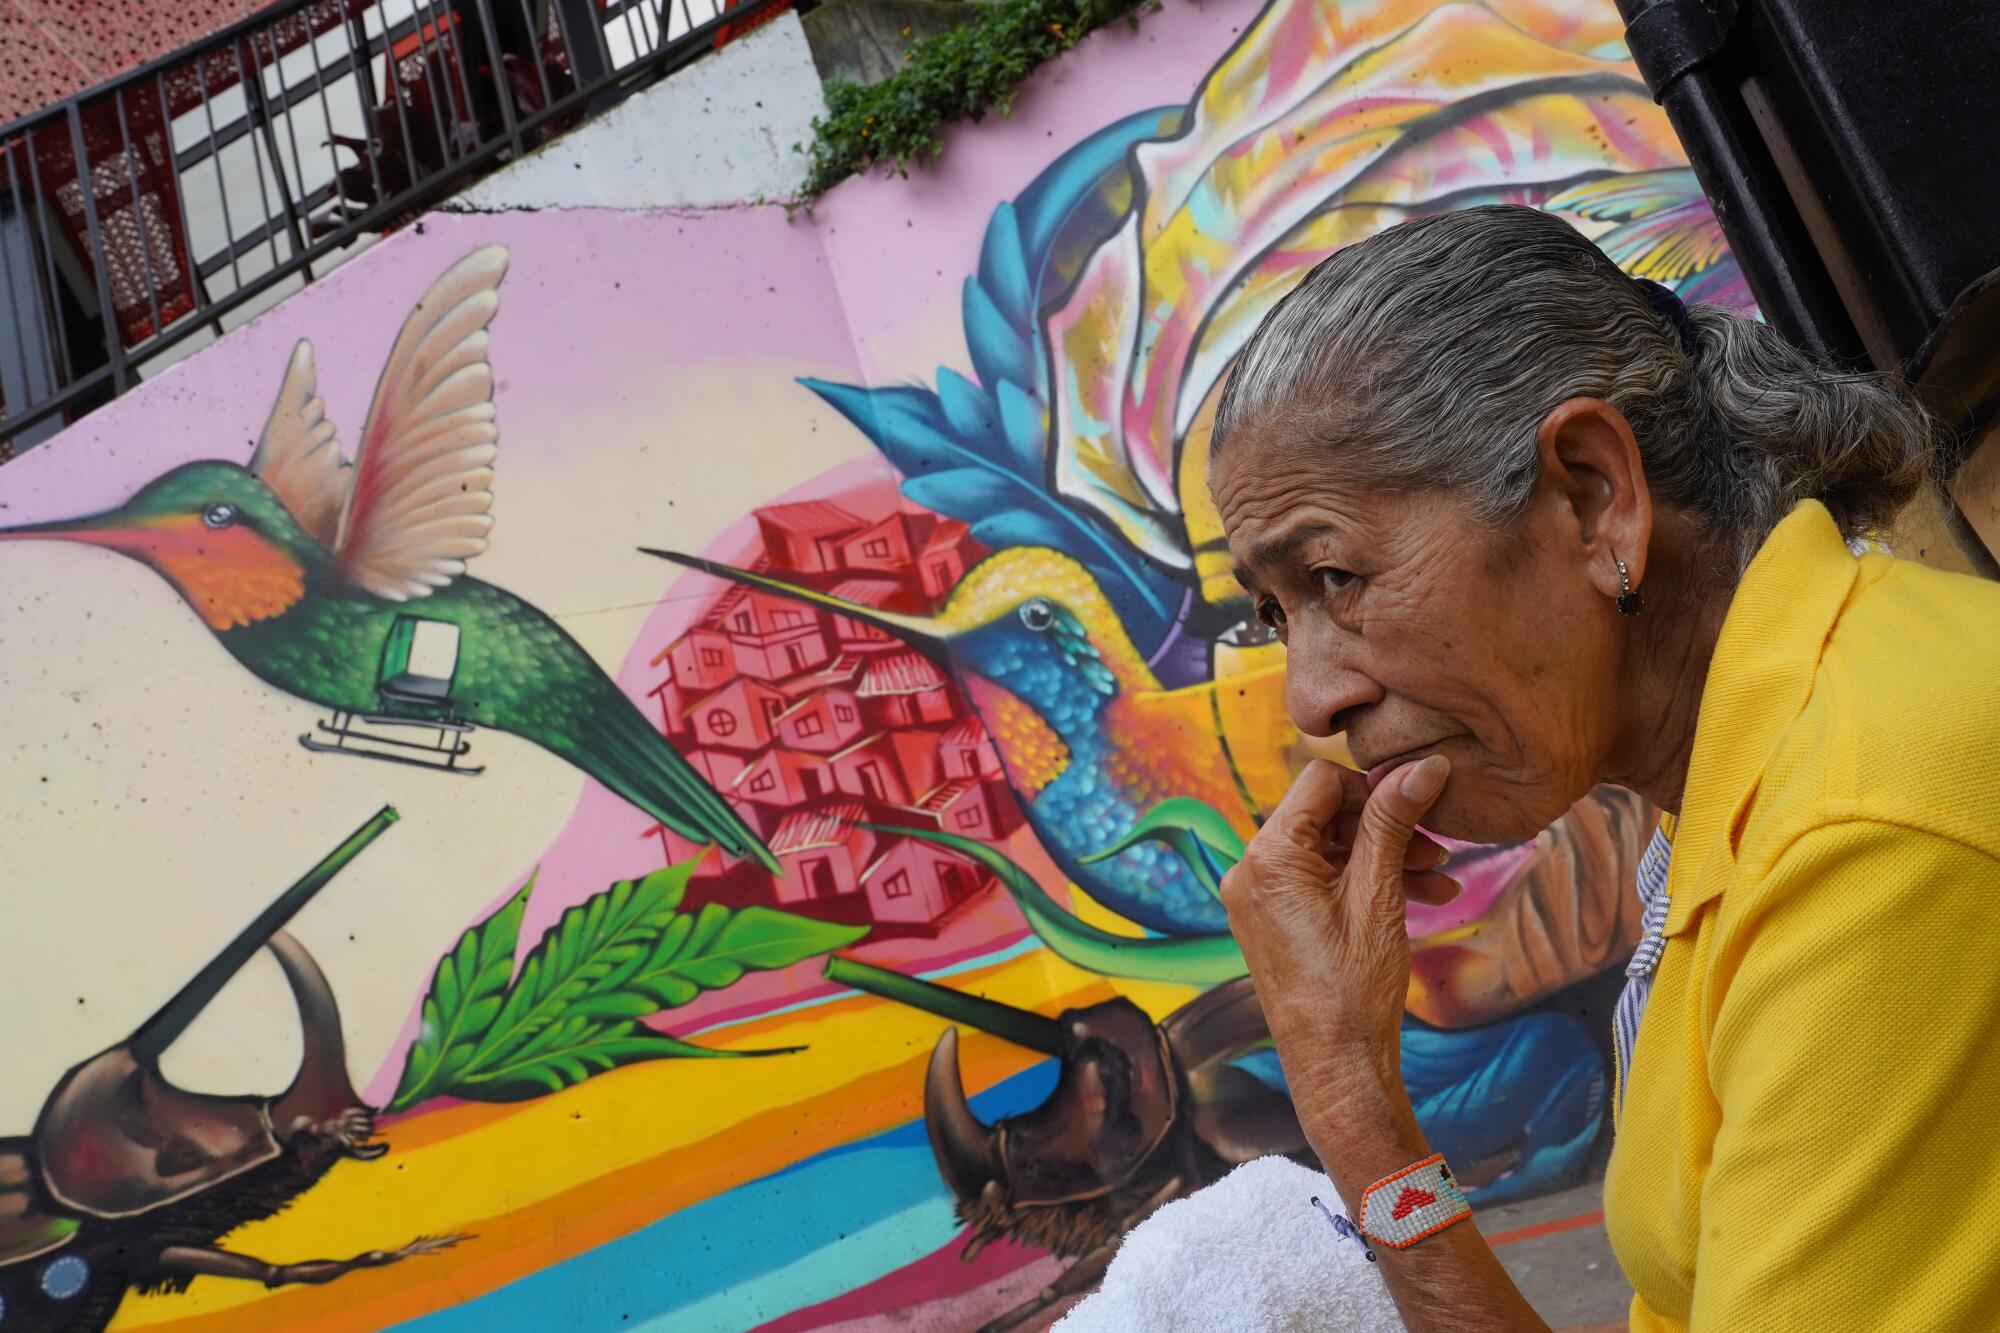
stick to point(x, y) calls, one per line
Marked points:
point(573, 1010)
point(956, 75)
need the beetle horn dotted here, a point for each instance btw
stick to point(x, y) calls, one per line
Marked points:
point(322, 1090)
point(158, 1032)
point(967, 1156)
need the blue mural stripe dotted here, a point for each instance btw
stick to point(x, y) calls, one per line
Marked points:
point(830, 1223)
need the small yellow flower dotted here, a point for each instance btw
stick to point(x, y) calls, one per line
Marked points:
point(909, 55)
point(906, 32)
point(1056, 28)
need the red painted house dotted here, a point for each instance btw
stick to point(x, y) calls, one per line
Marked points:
point(823, 853)
point(783, 779)
point(673, 701)
point(906, 689)
point(854, 635)
point(701, 660)
point(869, 770)
point(770, 637)
point(913, 882)
point(964, 808)
point(966, 751)
point(715, 864)
point(740, 716)
point(720, 767)
point(947, 551)
point(824, 722)
point(885, 544)
point(804, 538)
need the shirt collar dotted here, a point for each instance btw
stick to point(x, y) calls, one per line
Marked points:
point(1758, 682)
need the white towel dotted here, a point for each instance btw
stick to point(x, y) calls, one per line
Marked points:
point(1249, 1254)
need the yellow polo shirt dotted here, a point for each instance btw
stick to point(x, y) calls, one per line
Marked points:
point(1810, 1130)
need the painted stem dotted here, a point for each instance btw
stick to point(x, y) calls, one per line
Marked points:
point(1023, 1027)
point(159, 1031)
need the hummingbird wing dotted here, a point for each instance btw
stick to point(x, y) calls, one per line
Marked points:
point(298, 456)
point(421, 488)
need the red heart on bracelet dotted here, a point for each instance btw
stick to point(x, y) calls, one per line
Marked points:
point(1409, 1201)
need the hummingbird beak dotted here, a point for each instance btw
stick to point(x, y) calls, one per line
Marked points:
point(104, 529)
point(922, 633)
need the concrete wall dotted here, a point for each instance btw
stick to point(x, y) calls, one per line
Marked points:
point(1004, 368)
point(718, 133)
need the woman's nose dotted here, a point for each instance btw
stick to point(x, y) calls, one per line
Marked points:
point(1321, 688)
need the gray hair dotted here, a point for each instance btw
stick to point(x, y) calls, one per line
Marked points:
point(1430, 353)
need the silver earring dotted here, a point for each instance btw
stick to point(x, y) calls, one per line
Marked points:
point(1630, 603)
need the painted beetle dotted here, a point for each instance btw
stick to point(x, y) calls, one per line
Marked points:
point(128, 1182)
point(1141, 1114)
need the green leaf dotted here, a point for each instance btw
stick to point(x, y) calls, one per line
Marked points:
point(595, 1050)
point(465, 995)
point(1194, 829)
point(573, 1009)
point(1196, 960)
point(721, 945)
point(581, 956)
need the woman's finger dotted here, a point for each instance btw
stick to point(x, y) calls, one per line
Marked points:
point(1425, 853)
point(1430, 887)
point(1389, 821)
point(1311, 804)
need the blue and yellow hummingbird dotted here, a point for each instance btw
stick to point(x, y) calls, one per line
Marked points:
point(1104, 642)
point(1106, 676)
point(318, 574)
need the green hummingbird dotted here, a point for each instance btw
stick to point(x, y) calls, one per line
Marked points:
point(327, 577)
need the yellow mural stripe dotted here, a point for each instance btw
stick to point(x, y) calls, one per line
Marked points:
point(644, 1143)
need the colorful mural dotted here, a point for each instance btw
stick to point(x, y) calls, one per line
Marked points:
point(859, 617)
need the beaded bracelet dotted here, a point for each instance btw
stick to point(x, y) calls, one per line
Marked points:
point(1420, 1200)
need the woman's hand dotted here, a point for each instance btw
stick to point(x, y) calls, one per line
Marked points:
point(1317, 905)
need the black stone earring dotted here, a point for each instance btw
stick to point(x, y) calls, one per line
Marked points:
point(1630, 603)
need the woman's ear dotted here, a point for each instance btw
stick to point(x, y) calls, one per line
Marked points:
point(1591, 470)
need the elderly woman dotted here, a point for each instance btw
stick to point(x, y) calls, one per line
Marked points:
point(1526, 526)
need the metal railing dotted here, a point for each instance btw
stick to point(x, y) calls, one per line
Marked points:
point(187, 195)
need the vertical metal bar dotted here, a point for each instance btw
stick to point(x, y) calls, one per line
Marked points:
point(536, 34)
point(114, 337)
point(138, 212)
point(362, 62)
point(326, 116)
point(438, 113)
point(221, 185)
point(254, 112)
point(453, 45)
point(594, 65)
point(295, 200)
point(190, 269)
point(638, 45)
point(394, 92)
point(361, 67)
point(502, 88)
point(14, 304)
point(687, 15)
point(44, 205)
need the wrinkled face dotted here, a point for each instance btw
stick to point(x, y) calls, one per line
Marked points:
point(1417, 629)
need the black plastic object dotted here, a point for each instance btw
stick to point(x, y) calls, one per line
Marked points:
point(1852, 151)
